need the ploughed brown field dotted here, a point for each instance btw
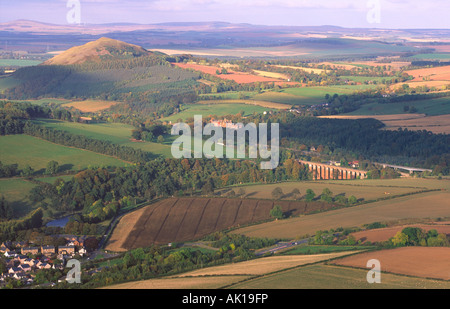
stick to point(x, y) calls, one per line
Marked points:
point(425, 262)
point(187, 219)
point(383, 234)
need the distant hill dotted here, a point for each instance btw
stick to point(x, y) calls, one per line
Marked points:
point(97, 51)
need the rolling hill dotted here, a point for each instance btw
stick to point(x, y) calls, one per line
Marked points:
point(96, 51)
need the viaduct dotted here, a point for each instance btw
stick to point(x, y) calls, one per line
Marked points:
point(323, 172)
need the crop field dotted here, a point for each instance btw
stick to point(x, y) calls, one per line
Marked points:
point(383, 234)
point(433, 74)
point(435, 124)
point(413, 122)
point(361, 191)
point(309, 70)
point(425, 262)
point(230, 274)
point(271, 75)
point(90, 106)
point(241, 78)
point(323, 276)
point(26, 150)
point(187, 219)
point(412, 207)
point(286, 272)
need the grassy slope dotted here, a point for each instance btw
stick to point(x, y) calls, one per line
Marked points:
point(23, 150)
point(116, 133)
point(433, 107)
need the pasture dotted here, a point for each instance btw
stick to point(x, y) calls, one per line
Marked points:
point(116, 133)
point(432, 107)
point(217, 108)
point(26, 150)
point(15, 192)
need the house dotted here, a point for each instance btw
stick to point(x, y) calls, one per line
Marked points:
point(4, 249)
point(48, 250)
point(15, 270)
point(354, 164)
point(66, 250)
point(31, 250)
point(41, 265)
point(26, 268)
point(82, 251)
point(20, 244)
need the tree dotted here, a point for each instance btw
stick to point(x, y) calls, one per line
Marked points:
point(52, 168)
point(327, 195)
point(277, 193)
point(276, 212)
point(310, 195)
point(241, 192)
point(352, 200)
point(295, 193)
point(400, 239)
point(415, 235)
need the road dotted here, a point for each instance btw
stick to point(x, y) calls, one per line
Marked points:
point(282, 245)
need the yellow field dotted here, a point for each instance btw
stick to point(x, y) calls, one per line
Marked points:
point(271, 74)
point(219, 276)
point(424, 205)
point(249, 102)
point(413, 122)
point(91, 106)
point(435, 124)
point(309, 70)
point(322, 276)
point(378, 117)
point(181, 283)
point(368, 191)
point(122, 230)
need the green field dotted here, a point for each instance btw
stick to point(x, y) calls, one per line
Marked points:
point(437, 56)
point(26, 150)
point(18, 62)
point(316, 95)
point(307, 249)
point(432, 107)
point(8, 82)
point(215, 109)
point(116, 133)
point(15, 192)
point(320, 276)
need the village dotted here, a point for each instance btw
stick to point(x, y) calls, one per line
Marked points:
point(22, 261)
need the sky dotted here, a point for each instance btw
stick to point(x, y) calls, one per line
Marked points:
point(392, 14)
